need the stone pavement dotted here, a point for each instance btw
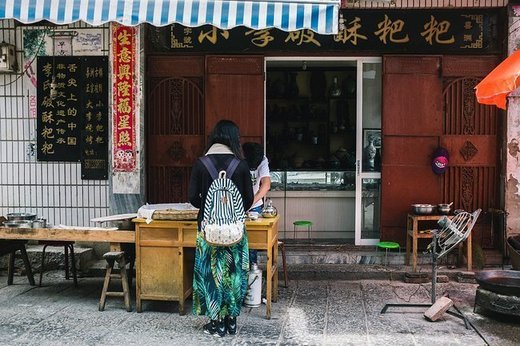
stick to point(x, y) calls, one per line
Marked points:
point(320, 312)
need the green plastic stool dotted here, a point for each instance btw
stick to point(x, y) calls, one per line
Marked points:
point(388, 245)
point(302, 223)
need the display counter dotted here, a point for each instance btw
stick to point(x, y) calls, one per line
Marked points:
point(327, 198)
point(165, 256)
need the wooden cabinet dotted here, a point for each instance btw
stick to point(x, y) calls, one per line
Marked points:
point(165, 257)
point(162, 254)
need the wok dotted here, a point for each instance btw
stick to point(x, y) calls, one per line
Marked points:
point(506, 282)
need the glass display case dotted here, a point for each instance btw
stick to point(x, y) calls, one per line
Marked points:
point(313, 181)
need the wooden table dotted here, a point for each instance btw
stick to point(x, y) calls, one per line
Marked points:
point(87, 234)
point(165, 255)
point(414, 232)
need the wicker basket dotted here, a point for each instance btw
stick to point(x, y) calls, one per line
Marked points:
point(175, 215)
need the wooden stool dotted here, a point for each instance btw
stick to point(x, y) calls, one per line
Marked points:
point(9, 247)
point(111, 258)
point(68, 247)
point(281, 246)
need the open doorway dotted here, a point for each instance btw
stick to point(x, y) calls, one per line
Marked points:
point(314, 130)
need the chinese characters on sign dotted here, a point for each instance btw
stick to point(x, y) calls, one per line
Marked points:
point(124, 53)
point(59, 119)
point(413, 31)
point(94, 154)
point(72, 123)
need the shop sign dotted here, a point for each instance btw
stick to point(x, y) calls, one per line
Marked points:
point(470, 31)
point(94, 153)
point(124, 90)
point(72, 112)
point(58, 120)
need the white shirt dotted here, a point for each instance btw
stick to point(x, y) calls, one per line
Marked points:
point(261, 171)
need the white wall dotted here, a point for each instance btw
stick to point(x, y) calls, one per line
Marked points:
point(53, 190)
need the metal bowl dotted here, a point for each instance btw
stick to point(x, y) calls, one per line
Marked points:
point(422, 209)
point(18, 224)
point(21, 216)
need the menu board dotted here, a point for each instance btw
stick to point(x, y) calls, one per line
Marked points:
point(94, 139)
point(58, 121)
point(72, 121)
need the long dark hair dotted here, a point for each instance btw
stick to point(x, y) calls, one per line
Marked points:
point(253, 153)
point(226, 132)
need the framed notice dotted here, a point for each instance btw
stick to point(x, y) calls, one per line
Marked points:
point(94, 136)
point(72, 112)
point(58, 108)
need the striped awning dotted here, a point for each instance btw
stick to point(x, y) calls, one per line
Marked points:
point(320, 16)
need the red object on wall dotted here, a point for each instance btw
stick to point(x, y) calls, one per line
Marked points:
point(500, 82)
point(124, 91)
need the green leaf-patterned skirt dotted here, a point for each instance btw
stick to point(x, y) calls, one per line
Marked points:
point(220, 278)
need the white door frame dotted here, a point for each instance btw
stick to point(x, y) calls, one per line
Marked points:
point(360, 175)
point(359, 128)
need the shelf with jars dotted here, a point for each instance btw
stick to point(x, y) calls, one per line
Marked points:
point(310, 119)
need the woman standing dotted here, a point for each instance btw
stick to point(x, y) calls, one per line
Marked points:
point(220, 273)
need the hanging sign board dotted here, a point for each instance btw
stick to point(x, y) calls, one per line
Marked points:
point(124, 103)
point(468, 31)
point(59, 118)
point(72, 123)
point(94, 151)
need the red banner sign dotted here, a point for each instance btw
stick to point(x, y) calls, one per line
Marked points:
point(124, 91)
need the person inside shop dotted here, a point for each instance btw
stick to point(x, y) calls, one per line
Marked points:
point(261, 180)
point(220, 272)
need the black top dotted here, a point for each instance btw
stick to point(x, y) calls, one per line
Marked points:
point(200, 181)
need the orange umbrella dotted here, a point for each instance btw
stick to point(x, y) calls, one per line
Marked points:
point(495, 87)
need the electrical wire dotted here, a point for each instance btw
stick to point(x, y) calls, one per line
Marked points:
point(28, 65)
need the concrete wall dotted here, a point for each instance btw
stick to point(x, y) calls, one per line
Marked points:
point(512, 188)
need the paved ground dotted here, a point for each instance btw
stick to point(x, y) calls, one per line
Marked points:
point(322, 312)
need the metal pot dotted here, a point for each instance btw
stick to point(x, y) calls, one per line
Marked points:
point(21, 216)
point(269, 210)
point(422, 209)
point(39, 223)
point(18, 224)
point(444, 208)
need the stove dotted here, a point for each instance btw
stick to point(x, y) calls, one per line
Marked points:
point(508, 305)
point(499, 291)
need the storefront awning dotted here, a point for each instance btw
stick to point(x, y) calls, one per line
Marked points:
point(320, 16)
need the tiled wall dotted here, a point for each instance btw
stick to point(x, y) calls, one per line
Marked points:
point(53, 190)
